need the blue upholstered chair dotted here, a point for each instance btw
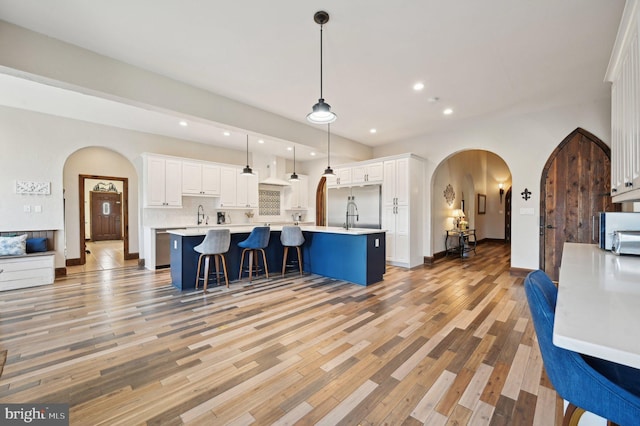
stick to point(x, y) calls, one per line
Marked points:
point(601, 387)
point(216, 242)
point(257, 241)
point(291, 236)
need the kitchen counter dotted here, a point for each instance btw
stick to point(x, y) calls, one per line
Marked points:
point(598, 298)
point(240, 229)
point(356, 255)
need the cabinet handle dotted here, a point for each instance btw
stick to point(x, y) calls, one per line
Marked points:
point(1, 271)
point(614, 190)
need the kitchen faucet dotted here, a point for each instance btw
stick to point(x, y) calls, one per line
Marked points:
point(200, 215)
point(352, 211)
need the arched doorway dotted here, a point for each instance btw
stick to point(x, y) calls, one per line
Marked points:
point(98, 164)
point(469, 173)
point(575, 186)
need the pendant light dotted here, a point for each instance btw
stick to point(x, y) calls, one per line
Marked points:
point(328, 171)
point(294, 175)
point(321, 112)
point(247, 170)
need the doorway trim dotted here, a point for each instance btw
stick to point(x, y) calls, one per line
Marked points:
point(125, 214)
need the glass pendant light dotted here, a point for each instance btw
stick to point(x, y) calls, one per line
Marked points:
point(294, 175)
point(247, 170)
point(321, 112)
point(328, 171)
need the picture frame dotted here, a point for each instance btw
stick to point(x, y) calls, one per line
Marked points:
point(482, 204)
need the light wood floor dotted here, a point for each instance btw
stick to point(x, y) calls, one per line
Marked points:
point(103, 255)
point(448, 344)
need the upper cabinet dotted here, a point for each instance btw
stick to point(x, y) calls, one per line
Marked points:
point(624, 74)
point(238, 191)
point(200, 178)
point(162, 181)
point(367, 173)
point(357, 174)
point(296, 195)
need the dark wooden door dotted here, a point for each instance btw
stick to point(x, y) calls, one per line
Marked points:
point(106, 216)
point(575, 186)
point(507, 217)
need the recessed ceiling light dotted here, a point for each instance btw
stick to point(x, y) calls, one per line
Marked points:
point(260, 141)
point(226, 133)
point(313, 154)
point(373, 131)
point(447, 111)
point(418, 86)
point(183, 123)
point(289, 148)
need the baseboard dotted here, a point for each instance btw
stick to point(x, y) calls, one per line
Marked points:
point(492, 240)
point(61, 272)
point(73, 262)
point(520, 272)
point(131, 256)
point(429, 260)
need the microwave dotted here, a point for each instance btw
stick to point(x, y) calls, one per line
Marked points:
point(610, 222)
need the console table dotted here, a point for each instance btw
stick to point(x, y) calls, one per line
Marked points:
point(460, 241)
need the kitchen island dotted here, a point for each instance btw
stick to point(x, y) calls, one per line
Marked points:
point(356, 255)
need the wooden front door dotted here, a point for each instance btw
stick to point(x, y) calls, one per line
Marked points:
point(106, 216)
point(575, 186)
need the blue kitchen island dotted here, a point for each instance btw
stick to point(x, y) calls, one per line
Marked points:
point(355, 255)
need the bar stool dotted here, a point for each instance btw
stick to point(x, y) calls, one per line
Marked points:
point(291, 236)
point(215, 243)
point(257, 240)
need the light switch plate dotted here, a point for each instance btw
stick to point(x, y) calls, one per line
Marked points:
point(26, 208)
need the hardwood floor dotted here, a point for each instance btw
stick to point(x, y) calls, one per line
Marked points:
point(451, 343)
point(103, 255)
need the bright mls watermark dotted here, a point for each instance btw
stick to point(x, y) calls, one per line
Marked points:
point(34, 414)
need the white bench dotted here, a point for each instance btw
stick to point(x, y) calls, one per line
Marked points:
point(28, 270)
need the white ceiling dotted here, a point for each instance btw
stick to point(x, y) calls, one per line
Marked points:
point(478, 57)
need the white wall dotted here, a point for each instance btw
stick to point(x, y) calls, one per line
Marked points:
point(38, 146)
point(524, 142)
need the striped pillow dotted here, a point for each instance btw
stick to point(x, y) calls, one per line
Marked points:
point(13, 246)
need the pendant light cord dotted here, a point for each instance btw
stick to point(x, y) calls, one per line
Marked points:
point(247, 150)
point(328, 145)
point(321, 61)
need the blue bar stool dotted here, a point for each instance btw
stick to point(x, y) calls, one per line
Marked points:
point(291, 236)
point(215, 243)
point(257, 240)
point(605, 388)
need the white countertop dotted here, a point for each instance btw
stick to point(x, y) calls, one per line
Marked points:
point(202, 230)
point(598, 309)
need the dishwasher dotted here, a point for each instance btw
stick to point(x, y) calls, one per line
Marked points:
point(163, 248)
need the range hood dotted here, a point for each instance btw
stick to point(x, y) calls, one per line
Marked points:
point(272, 173)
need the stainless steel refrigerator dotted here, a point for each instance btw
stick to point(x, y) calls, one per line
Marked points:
point(368, 202)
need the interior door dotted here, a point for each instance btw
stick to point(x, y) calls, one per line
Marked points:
point(106, 216)
point(575, 186)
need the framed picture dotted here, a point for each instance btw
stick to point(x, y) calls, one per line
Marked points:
point(482, 204)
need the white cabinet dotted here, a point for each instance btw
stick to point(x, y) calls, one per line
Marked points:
point(343, 176)
point(26, 271)
point(247, 190)
point(624, 73)
point(402, 211)
point(162, 181)
point(228, 189)
point(297, 194)
point(238, 190)
point(200, 178)
point(367, 173)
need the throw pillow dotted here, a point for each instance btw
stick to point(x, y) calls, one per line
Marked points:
point(35, 245)
point(13, 246)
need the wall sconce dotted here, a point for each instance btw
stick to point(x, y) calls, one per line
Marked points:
point(501, 186)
